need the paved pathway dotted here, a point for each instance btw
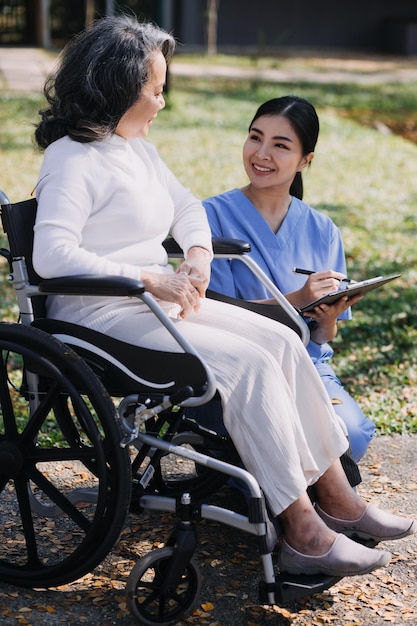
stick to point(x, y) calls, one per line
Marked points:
point(25, 69)
point(376, 72)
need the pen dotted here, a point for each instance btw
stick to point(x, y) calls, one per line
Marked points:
point(299, 270)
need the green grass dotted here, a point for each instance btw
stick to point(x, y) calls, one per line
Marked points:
point(363, 178)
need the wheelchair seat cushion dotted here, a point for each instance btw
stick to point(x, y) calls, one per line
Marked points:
point(126, 369)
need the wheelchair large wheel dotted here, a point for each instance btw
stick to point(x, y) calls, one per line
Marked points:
point(146, 596)
point(64, 479)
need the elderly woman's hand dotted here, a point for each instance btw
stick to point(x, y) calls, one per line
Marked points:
point(186, 286)
point(197, 268)
point(175, 288)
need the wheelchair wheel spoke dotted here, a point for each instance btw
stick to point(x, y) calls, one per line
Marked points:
point(9, 422)
point(152, 597)
point(60, 500)
point(85, 454)
point(40, 414)
point(27, 523)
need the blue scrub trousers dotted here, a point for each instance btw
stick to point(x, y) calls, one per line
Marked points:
point(360, 428)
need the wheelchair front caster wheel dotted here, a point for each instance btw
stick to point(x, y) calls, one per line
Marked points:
point(147, 598)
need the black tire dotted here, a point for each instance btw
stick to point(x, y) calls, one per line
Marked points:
point(146, 598)
point(64, 479)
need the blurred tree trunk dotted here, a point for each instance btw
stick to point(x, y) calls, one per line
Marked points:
point(212, 11)
point(90, 7)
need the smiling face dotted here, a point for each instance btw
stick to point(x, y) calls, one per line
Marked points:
point(138, 119)
point(272, 153)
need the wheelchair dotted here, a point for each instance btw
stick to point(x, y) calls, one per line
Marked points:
point(88, 425)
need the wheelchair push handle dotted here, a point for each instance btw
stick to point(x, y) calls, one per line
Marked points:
point(4, 199)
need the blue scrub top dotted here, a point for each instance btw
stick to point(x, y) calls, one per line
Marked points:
point(306, 238)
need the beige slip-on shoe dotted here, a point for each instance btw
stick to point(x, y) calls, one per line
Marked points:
point(344, 558)
point(374, 524)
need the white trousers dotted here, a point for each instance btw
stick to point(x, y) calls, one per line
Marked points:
point(275, 407)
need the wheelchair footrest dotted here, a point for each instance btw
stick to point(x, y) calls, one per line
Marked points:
point(291, 587)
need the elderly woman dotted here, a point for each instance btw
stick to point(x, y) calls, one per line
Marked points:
point(106, 203)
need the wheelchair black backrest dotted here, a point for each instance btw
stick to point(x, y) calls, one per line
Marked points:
point(18, 221)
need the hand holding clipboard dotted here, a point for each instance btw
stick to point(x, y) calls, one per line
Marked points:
point(347, 288)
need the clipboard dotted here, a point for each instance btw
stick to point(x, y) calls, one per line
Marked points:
point(351, 290)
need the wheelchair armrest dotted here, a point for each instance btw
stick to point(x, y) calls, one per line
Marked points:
point(227, 245)
point(92, 285)
point(221, 246)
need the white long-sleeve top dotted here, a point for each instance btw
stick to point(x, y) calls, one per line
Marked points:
point(105, 208)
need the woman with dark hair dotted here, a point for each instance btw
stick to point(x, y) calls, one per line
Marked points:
point(284, 233)
point(106, 202)
point(87, 105)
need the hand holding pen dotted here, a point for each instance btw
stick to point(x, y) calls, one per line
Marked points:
point(317, 285)
point(299, 270)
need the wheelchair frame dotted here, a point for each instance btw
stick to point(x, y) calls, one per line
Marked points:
point(176, 582)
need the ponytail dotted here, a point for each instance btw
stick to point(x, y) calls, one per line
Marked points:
point(297, 189)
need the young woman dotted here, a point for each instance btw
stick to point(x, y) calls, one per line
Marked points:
point(285, 233)
point(106, 203)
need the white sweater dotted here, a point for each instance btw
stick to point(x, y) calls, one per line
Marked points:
point(105, 208)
